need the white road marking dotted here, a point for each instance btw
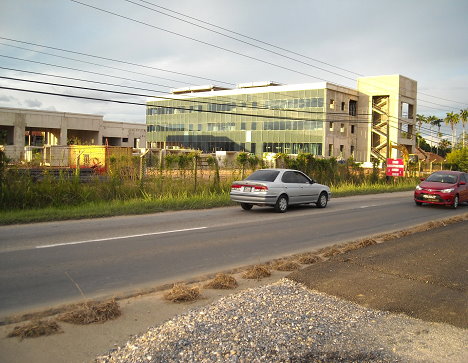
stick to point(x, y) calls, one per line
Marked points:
point(120, 237)
point(368, 206)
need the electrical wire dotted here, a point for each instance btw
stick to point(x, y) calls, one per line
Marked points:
point(324, 121)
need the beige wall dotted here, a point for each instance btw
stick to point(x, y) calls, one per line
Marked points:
point(400, 90)
point(60, 126)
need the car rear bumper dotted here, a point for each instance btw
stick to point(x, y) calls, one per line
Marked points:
point(253, 198)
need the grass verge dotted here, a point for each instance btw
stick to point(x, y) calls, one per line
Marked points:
point(114, 208)
point(167, 203)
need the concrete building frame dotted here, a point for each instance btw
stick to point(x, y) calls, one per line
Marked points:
point(22, 128)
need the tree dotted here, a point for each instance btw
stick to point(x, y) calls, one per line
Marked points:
point(431, 120)
point(420, 119)
point(464, 120)
point(452, 119)
point(460, 158)
point(444, 146)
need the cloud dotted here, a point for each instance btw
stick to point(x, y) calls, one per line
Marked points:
point(5, 99)
point(33, 103)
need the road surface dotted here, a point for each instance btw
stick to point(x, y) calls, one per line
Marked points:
point(40, 263)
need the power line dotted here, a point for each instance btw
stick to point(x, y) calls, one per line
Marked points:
point(114, 60)
point(80, 70)
point(91, 63)
point(247, 37)
point(212, 45)
point(257, 40)
point(259, 117)
point(239, 40)
point(197, 40)
point(55, 55)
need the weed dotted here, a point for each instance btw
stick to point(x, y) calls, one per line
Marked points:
point(308, 258)
point(222, 281)
point(286, 266)
point(89, 313)
point(182, 293)
point(35, 328)
point(257, 272)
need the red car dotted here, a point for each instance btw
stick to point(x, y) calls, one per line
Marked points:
point(444, 188)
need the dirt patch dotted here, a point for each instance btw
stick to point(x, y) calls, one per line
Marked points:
point(222, 281)
point(90, 313)
point(182, 293)
point(257, 272)
point(34, 329)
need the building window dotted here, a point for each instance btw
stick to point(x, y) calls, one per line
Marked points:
point(342, 128)
point(242, 125)
point(330, 149)
point(253, 126)
point(343, 105)
point(332, 103)
point(352, 150)
point(352, 129)
point(125, 139)
point(331, 126)
point(352, 107)
point(341, 149)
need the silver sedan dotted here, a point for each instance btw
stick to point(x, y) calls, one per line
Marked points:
point(279, 188)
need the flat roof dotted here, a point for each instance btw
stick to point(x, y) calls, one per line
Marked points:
point(257, 90)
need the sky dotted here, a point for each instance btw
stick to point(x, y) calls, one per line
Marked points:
point(132, 46)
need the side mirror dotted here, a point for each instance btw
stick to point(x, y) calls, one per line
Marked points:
point(462, 183)
point(312, 181)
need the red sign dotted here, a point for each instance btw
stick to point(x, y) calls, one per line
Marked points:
point(395, 167)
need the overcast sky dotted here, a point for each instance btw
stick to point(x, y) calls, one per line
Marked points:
point(425, 40)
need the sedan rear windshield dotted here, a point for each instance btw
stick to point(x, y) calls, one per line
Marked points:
point(263, 175)
point(442, 178)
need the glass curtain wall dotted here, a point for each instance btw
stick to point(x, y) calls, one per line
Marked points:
point(289, 122)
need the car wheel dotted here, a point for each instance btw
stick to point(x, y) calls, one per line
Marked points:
point(322, 200)
point(418, 203)
point(455, 202)
point(281, 205)
point(246, 206)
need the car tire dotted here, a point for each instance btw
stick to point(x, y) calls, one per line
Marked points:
point(456, 201)
point(322, 200)
point(246, 206)
point(418, 203)
point(281, 205)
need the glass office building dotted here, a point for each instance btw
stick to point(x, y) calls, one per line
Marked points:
point(253, 118)
point(323, 118)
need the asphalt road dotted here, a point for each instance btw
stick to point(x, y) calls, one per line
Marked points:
point(40, 263)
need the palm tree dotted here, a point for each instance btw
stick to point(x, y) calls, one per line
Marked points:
point(420, 119)
point(452, 119)
point(431, 120)
point(444, 146)
point(464, 120)
point(438, 123)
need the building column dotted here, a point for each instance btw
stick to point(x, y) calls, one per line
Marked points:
point(63, 138)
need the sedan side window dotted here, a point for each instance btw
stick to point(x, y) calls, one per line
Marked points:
point(301, 178)
point(288, 177)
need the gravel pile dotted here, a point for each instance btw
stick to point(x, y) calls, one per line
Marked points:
point(286, 322)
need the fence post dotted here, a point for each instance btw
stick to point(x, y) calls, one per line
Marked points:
point(141, 163)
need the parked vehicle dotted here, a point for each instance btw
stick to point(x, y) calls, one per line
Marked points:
point(444, 188)
point(279, 188)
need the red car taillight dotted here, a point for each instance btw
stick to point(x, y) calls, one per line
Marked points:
point(236, 187)
point(261, 188)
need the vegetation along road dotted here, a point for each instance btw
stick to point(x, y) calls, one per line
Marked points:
point(42, 265)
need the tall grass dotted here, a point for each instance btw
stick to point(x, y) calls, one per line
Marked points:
point(23, 199)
